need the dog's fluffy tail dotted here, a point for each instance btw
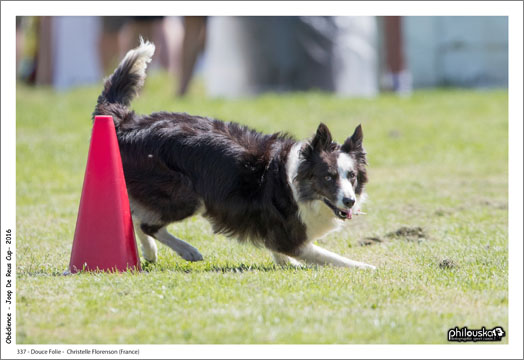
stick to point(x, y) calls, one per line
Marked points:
point(125, 82)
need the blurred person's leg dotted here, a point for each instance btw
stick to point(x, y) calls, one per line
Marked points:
point(150, 28)
point(44, 54)
point(109, 46)
point(137, 26)
point(19, 42)
point(160, 40)
point(398, 76)
point(173, 29)
point(192, 45)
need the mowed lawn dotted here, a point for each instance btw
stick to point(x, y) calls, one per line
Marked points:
point(436, 228)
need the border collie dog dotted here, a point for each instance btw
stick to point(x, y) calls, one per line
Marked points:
point(270, 190)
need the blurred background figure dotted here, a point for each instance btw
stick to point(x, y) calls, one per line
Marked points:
point(121, 33)
point(192, 46)
point(251, 55)
point(78, 50)
point(397, 77)
point(246, 56)
point(150, 28)
point(110, 44)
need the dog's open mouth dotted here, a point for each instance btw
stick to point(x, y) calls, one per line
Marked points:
point(342, 214)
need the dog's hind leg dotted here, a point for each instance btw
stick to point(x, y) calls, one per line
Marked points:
point(283, 260)
point(149, 249)
point(185, 250)
point(313, 254)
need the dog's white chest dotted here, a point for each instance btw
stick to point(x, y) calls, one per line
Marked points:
point(319, 219)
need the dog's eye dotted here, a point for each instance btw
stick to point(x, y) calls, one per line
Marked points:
point(351, 174)
point(328, 178)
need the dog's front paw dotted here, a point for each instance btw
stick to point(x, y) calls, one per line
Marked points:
point(191, 254)
point(150, 253)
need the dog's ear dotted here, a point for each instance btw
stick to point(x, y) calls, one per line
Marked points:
point(322, 139)
point(354, 142)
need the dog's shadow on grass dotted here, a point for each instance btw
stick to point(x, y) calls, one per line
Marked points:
point(222, 268)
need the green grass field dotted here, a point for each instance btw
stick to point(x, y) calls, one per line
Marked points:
point(436, 228)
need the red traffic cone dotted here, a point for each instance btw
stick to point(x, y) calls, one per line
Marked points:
point(104, 236)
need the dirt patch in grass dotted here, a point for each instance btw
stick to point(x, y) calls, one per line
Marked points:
point(370, 241)
point(411, 234)
point(447, 264)
point(408, 233)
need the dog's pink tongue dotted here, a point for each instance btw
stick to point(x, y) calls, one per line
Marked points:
point(349, 214)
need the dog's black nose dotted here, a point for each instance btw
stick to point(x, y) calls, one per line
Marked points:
point(349, 202)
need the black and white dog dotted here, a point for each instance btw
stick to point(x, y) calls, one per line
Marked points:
point(270, 190)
